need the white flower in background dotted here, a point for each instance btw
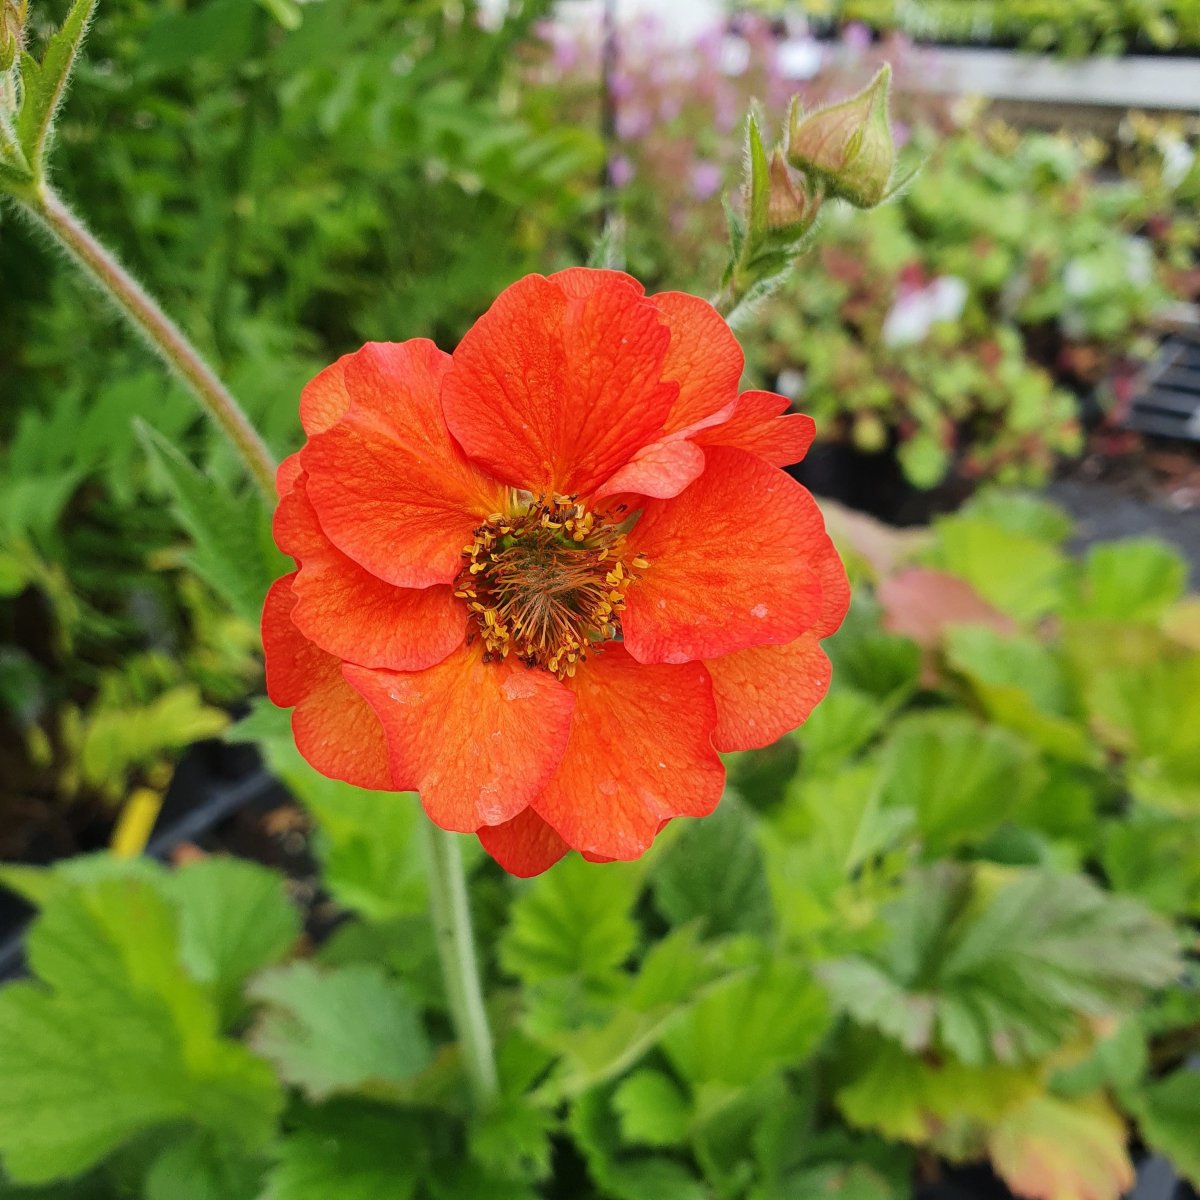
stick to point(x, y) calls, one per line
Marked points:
point(799, 58)
point(790, 383)
point(1177, 158)
point(1078, 279)
point(735, 55)
point(1139, 261)
point(916, 311)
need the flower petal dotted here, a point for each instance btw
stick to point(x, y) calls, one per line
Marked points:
point(703, 357)
point(477, 740)
point(390, 486)
point(733, 564)
point(763, 692)
point(324, 400)
point(524, 846)
point(582, 281)
point(660, 470)
point(553, 392)
point(349, 612)
point(835, 589)
point(334, 729)
point(640, 753)
point(758, 427)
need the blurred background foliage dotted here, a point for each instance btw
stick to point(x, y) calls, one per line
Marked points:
point(952, 920)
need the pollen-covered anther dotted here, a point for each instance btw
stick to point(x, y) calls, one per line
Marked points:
point(546, 584)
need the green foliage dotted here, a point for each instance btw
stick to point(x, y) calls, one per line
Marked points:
point(338, 1030)
point(116, 1038)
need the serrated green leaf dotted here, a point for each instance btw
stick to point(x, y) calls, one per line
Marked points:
point(714, 872)
point(618, 1173)
point(745, 1028)
point(1156, 857)
point(116, 1038)
point(233, 550)
point(235, 918)
point(350, 1150)
point(573, 921)
point(1010, 964)
point(43, 84)
point(1168, 1113)
point(511, 1140)
point(344, 1029)
point(960, 778)
point(652, 1110)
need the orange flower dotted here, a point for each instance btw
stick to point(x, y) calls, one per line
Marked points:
point(545, 580)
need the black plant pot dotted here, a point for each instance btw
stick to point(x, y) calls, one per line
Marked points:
point(876, 484)
point(213, 781)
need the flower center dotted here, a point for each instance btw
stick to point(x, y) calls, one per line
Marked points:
point(547, 584)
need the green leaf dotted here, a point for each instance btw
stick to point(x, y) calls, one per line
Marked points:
point(1142, 694)
point(43, 84)
point(758, 179)
point(196, 1168)
point(749, 1026)
point(1021, 685)
point(511, 1140)
point(925, 459)
point(350, 1150)
point(235, 918)
point(944, 1103)
point(622, 1175)
point(1019, 512)
point(1168, 1113)
point(1136, 579)
point(575, 920)
point(1003, 964)
point(1017, 573)
point(868, 660)
point(841, 725)
point(1055, 1149)
point(714, 871)
point(339, 1029)
point(1156, 857)
point(652, 1109)
point(961, 778)
point(233, 550)
point(116, 1038)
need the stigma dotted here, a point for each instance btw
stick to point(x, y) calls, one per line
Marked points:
point(547, 583)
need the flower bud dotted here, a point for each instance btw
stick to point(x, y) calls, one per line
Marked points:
point(12, 26)
point(848, 145)
point(789, 209)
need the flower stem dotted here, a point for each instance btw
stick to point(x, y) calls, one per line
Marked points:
point(47, 210)
point(460, 969)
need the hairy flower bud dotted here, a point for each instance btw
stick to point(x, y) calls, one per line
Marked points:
point(789, 208)
point(848, 145)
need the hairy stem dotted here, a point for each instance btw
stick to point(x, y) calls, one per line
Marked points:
point(460, 969)
point(48, 211)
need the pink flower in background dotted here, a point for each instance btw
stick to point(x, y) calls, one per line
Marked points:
point(856, 37)
point(620, 171)
point(705, 179)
